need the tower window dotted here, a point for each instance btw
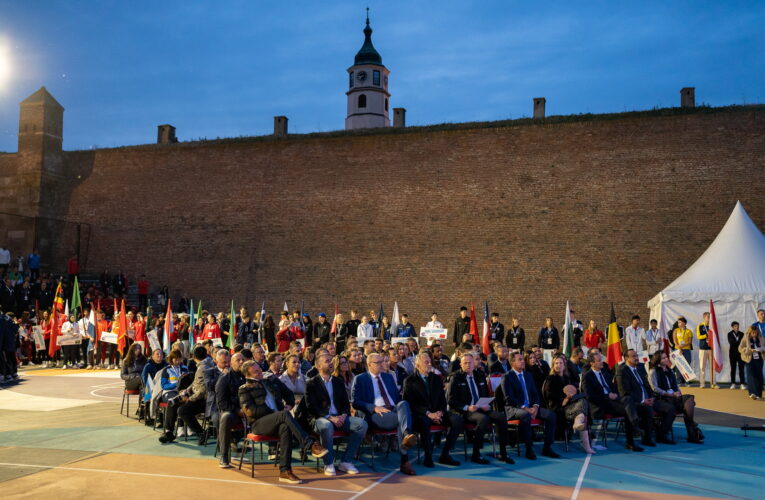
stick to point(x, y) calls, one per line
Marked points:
point(386, 104)
point(376, 78)
point(350, 79)
point(362, 101)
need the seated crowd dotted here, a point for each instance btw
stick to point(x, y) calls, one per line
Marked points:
point(399, 396)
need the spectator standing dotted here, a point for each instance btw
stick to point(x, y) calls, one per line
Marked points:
point(33, 263)
point(734, 357)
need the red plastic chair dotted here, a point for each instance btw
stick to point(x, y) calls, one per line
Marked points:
point(250, 441)
point(515, 425)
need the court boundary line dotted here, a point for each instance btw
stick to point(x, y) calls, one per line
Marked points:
point(376, 483)
point(253, 482)
point(582, 472)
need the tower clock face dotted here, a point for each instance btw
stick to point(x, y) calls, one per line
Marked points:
point(361, 76)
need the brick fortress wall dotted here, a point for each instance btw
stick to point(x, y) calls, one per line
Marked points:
point(530, 216)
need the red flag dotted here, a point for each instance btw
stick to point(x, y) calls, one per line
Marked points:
point(486, 328)
point(122, 338)
point(334, 320)
point(58, 301)
point(55, 331)
point(714, 341)
point(473, 324)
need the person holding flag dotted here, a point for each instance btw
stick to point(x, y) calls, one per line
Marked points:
point(705, 353)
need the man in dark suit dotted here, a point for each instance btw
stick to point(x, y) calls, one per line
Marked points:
point(328, 411)
point(266, 402)
point(211, 376)
point(639, 402)
point(376, 395)
point(502, 364)
point(522, 404)
point(466, 387)
point(597, 384)
point(424, 390)
point(227, 401)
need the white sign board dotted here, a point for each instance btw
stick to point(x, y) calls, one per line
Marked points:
point(109, 337)
point(37, 335)
point(679, 362)
point(68, 340)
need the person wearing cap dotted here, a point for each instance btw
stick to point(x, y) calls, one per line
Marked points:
point(321, 329)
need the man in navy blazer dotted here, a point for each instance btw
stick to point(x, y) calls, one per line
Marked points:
point(522, 403)
point(376, 395)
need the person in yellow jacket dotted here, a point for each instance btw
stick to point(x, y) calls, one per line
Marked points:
point(705, 354)
point(683, 340)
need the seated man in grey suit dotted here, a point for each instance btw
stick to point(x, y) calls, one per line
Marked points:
point(376, 395)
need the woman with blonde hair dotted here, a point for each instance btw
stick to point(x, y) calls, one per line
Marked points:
point(752, 349)
point(562, 396)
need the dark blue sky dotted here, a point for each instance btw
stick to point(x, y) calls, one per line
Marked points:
point(223, 69)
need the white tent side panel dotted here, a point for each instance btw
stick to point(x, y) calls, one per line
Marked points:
point(666, 313)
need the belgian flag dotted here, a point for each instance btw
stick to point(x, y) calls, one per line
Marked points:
point(614, 349)
point(58, 300)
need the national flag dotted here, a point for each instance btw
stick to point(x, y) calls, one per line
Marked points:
point(286, 309)
point(168, 328)
point(92, 325)
point(473, 324)
point(485, 343)
point(394, 322)
point(192, 324)
point(55, 332)
point(199, 310)
point(300, 318)
point(58, 301)
point(333, 330)
point(380, 332)
point(262, 320)
point(232, 327)
point(568, 332)
point(76, 302)
point(123, 325)
point(614, 349)
point(66, 311)
point(714, 341)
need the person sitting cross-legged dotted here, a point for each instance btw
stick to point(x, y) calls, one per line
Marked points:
point(466, 388)
point(522, 404)
point(329, 410)
point(266, 403)
point(375, 394)
point(424, 390)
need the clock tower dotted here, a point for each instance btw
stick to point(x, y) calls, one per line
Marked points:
point(367, 88)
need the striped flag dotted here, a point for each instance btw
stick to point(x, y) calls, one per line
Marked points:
point(714, 341)
point(333, 330)
point(614, 349)
point(192, 323)
point(485, 344)
point(231, 328)
point(168, 328)
point(58, 301)
point(568, 332)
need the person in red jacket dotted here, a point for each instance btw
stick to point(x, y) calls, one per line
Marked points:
point(140, 332)
point(212, 329)
point(286, 334)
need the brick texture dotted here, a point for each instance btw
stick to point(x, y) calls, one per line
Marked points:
point(524, 216)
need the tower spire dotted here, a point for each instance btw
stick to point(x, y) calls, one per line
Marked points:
point(368, 54)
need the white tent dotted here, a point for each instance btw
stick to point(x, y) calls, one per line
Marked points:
point(731, 273)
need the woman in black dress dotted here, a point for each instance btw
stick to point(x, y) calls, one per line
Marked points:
point(562, 397)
